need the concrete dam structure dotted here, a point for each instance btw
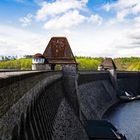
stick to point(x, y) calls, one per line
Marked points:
point(57, 105)
point(69, 104)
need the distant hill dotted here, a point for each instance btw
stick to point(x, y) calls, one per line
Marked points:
point(128, 63)
point(84, 63)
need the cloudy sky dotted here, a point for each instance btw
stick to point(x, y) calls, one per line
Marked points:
point(94, 28)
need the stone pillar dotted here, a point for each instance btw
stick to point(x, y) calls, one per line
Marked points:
point(70, 76)
point(109, 65)
point(113, 77)
point(40, 67)
point(52, 66)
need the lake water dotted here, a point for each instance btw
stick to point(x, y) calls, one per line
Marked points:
point(126, 118)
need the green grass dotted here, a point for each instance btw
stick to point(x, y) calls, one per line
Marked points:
point(84, 63)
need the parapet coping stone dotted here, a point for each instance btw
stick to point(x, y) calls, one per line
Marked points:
point(6, 74)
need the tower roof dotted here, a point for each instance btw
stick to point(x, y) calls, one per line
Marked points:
point(108, 63)
point(58, 51)
point(38, 55)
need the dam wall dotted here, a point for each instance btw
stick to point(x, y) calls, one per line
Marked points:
point(47, 105)
point(97, 94)
point(41, 112)
point(14, 86)
point(129, 81)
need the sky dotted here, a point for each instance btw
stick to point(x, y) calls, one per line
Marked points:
point(95, 28)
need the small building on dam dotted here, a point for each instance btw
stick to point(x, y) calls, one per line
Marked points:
point(57, 52)
point(45, 104)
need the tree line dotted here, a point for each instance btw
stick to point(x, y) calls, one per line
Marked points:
point(84, 63)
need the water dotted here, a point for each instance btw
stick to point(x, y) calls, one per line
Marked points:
point(126, 118)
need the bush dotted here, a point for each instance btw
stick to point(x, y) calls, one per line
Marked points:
point(84, 63)
point(88, 63)
point(21, 64)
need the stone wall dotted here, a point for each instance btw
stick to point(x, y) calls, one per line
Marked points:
point(97, 94)
point(31, 91)
point(67, 125)
point(48, 105)
point(70, 87)
point(41, 112)
point(129, 81)
point(14, 87)
point(41, 67)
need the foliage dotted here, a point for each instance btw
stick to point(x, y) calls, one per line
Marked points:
point(84, 63)
point(22, 64)
point(134, 67)
point(88, 63)
point(128, 63)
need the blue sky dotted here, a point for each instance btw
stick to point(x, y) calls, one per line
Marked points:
point(12, 10)
point(107, 28)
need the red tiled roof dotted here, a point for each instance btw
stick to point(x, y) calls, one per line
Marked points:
point(38, 55)
point(108, 63)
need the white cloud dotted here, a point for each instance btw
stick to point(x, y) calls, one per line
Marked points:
point(71, 18)
point(107, 7)
point(137, 21)
point(129, 42)
point(113, 39)
point(108, 41)
point(122, 14)
point(59, 7)
point(111, 22)
point(25, 21)
point(124, 8)
point(64, 14)
point(95, 19)
point(15, 41)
